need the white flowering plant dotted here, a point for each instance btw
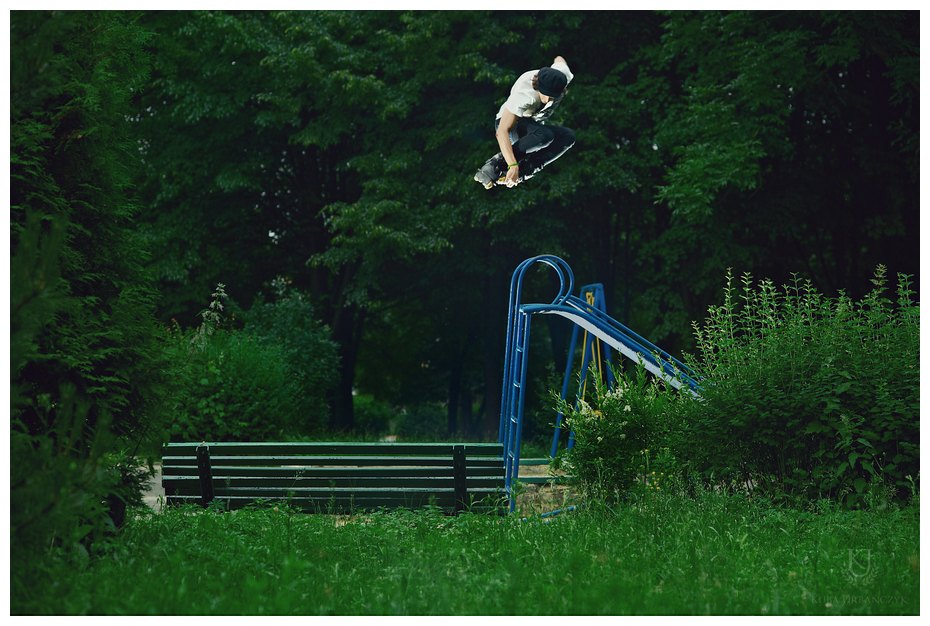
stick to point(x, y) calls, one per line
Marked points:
point(622, 435)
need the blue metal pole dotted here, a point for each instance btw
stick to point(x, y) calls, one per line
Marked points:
point(519, 422)
point(585, 365)
point(511, 306)
point(513, 387)
point(569, 361)
point(600, 303)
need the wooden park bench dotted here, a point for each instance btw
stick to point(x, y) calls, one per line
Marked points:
point(337, 477)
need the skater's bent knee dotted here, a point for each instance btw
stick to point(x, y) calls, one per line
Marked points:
point(543, 135)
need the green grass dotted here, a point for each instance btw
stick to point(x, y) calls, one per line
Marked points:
point(666, 555)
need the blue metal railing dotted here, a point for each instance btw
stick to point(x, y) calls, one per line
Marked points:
point(651, 348)
point(513, 388)
point(566, 283)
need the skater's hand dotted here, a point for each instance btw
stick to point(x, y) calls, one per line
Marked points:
point(513, 174)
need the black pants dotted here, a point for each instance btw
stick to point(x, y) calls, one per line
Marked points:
point(538, 145)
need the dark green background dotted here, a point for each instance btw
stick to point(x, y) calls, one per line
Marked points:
point(176, 150)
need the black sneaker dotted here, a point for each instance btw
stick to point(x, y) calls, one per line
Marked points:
point(491, 171)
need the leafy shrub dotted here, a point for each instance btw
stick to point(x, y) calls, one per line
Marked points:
point(85, 371)
point(72, 165)
point(229, 385)
point(70, 488)
point(232, 388)
point(807, 396)
point(267, 380)
point(311, 356)
point(621, 436)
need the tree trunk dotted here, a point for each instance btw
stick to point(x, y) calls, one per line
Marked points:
point(455, 387)
point(494, 330)
point(347, 332)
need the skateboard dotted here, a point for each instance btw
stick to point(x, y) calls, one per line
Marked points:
point(485, 179)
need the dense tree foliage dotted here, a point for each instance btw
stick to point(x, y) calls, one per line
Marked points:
point(86, 364)
point(71, 170)
point(337, 148)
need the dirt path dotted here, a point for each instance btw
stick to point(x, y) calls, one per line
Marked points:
point(154, 495)
point(534, 499)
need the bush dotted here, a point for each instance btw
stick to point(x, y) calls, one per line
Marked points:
point(621, 436)
point(85, 372)
point(806, 396)
point(73, 157)
point(69, 492)
point(231, 387)
point(311, 357)
point(228, 386)
point(267, 380)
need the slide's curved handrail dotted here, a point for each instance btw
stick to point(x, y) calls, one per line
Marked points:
point(566, 284)
point(581, 305)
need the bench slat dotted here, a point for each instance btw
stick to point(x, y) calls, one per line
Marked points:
point(193, 482)
point(331, 448)
point(278, 493)
point(254, 471)
point(315, 461)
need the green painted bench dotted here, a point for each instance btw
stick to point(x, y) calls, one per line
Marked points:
point(337, 477)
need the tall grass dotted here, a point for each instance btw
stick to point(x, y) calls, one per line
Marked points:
point(663, 554)
point(803, 398)
point(808, 396)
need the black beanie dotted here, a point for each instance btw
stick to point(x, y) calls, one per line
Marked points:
point(551, 82)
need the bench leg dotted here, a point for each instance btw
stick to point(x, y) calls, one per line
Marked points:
point(206, 475)
point(458, 473)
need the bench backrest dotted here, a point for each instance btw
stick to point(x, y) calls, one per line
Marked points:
point(336, 477)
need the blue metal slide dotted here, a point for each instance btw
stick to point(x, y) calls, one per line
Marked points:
point(594, 321)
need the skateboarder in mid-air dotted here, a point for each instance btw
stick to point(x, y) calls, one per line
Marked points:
point(527, 144)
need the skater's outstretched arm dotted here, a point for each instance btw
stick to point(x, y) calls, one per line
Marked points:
point(508, 119)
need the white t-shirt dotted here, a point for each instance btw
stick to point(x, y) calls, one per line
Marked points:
point(524, 100)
